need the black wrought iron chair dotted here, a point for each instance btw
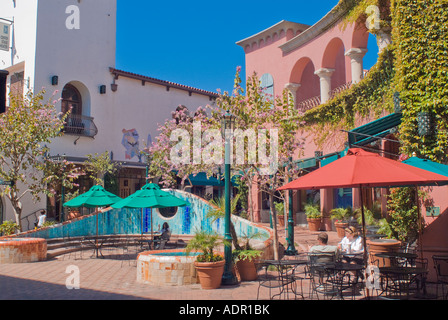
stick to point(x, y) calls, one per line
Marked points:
point(441, 266)
point(322, 279)
point(274, 276)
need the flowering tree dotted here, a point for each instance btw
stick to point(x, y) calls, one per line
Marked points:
point(99, 165)
point(254, 109)
point(27, 126)
point(191, 144)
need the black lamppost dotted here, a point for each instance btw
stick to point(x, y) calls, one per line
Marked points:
point(228, 124)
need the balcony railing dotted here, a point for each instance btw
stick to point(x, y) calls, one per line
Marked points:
point(80, 125)
point(308, 104)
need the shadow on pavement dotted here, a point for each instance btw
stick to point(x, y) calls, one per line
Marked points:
point(24, 289)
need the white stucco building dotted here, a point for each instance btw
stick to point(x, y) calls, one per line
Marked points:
point(69, 46)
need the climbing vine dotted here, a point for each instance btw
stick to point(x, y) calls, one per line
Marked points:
point(420, 34)
point(366, 99)
point(415, 65)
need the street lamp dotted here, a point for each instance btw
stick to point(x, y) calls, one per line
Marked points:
point(227, 126)
point(291, 250)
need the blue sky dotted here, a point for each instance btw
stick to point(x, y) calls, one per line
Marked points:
point(193, 42)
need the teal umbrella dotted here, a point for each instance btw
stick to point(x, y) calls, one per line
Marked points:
point(150, 196)
point(428, 165)
point(96, 197)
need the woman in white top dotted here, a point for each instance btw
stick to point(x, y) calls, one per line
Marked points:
point(352, 242)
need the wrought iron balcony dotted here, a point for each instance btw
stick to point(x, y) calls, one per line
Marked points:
point(80, 125)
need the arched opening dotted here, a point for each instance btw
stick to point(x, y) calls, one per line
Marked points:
point(334, 58)
point(76, 98)
point(308, 94)
point(71, 100)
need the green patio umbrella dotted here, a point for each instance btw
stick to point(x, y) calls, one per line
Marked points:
point(150, 196)
point(96, 197)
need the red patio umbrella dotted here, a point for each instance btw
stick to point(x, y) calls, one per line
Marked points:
point(359, 169)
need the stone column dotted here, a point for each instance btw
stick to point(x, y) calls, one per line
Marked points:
point(325, 83)
point(293, 87)
point(356, 55)
point(383, 39)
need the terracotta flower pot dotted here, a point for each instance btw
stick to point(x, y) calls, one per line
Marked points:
point(247, 270)
point(73, 214)
point(210, 273)
point(382, 245)
point(340, 228)
point(281, 220)
point(314, 224)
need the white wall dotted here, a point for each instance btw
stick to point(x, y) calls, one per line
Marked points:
point(83, 57)
point(24, 16)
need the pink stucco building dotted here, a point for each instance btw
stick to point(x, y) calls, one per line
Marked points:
point(315, 63)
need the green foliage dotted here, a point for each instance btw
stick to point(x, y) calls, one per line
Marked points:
point(341, 214)
point(420, 34)
point(250, 255)
point(9, 227)
point(100, 165)
point(403, 214)
point(27, 127)
point(48, 224)
point(206, 243)
point(312, 211)
point(366, 99)
point(280, 208)
point(371, 217)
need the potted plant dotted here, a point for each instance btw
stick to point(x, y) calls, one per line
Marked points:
point(209, 265)
point(71, 213)
point(341, 216)
point(9, 227)
point(313, 216)
point(280, 209)
point(245, 259)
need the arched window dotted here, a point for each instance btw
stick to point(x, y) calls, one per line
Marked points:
point(71, 98)
point(267, 84)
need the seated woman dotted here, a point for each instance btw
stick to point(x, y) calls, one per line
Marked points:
point(352, 244)
point(165, 236)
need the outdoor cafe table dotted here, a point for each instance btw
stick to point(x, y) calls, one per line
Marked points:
point(152, 238)
point(395, 256)
point(96, 242)
point(398, 279)
point(347, 274)
point(285, 277)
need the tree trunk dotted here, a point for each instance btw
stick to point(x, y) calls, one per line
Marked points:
point(234, 236)
point(16, 206)
point(251, 209)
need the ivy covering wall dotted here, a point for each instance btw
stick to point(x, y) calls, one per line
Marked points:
point(420, 37)
point(415, 65)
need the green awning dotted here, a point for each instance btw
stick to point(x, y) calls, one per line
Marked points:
point(306, 163)
point(334, 157)
point(376, 129)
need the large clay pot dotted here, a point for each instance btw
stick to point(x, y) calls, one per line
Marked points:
point(382, 245)
point(314, 224)
point(73, 214)
point(247, 270)
point(281, 220)
point(210, 273)
point(340, 228)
